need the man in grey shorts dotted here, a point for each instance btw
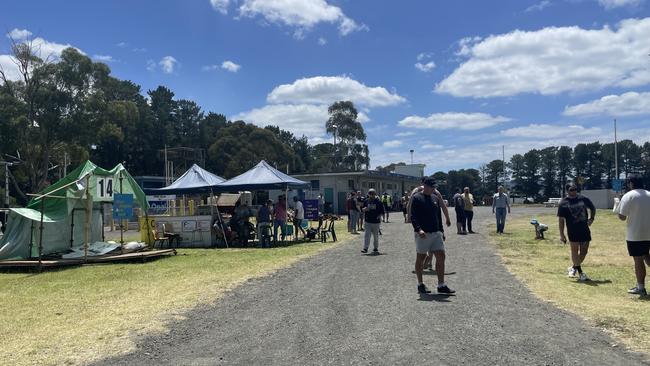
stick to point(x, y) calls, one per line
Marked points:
point(427, 225)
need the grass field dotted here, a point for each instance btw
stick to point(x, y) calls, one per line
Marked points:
point(604, 302)
point(77, 315)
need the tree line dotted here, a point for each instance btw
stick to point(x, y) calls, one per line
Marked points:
point(542, 173)
point(67, 110)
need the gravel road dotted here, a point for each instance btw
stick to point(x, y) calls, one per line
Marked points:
point(344, 308)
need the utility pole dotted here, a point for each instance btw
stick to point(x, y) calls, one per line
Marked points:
point(412, 156)
point(615, 152)
point(503, 163)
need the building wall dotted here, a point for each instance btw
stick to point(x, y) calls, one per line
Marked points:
point(602, 198)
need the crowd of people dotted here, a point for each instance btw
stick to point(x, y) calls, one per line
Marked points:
point(425, 208)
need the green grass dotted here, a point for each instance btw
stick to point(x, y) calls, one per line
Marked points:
point(73, 316)
point(542, 266)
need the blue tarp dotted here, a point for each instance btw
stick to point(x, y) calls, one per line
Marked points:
point(194, 180)
point(261, 177)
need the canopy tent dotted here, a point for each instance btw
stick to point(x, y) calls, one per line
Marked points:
point(261, 177)
point(62, 208)
point(194, 180)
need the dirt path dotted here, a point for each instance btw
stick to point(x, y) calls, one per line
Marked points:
point(342, 307)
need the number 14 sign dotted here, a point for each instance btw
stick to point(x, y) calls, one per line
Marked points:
point(105, 188)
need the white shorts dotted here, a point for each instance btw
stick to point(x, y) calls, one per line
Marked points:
point(430, 243)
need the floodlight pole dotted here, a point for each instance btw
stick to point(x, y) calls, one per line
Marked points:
point(40, 238)
point(615, 151)
point(121, 221)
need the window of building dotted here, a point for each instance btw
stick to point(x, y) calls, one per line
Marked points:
point(315, 184)
point(372, 185)
point(364, 184)
point(351, 183)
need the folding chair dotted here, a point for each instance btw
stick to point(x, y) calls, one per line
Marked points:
point(159, 239)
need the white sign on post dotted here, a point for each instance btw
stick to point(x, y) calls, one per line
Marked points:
point(105, 188)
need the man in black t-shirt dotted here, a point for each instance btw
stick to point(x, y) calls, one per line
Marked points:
point(459, 207)
point(429, 237)
point(372, 212)
point(572, 213)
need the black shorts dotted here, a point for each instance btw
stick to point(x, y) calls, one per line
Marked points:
point(460, 215)
point(638, 248)
point(579, 233)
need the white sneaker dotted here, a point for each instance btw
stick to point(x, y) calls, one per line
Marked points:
point(571, 271)
point(583, 277)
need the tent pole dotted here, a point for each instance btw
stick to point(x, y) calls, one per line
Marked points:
point(72, 230)
point(223, 232)
point(89, 203)
point(31, 239)
point(121, 221)
point(102, 213)
point(40, 239)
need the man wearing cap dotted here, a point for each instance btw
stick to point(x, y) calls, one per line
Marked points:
point(427, 225)
point(373, 209)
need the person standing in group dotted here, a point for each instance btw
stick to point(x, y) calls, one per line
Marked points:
point(372, 209)
point(280, 218)
point(321, 203)
point(360, 199)
point(572, 213)
point(298, 217)
point(428, 232)
point(468, 201)
point(353, 212)
point(499, 204)
point(635, 208)
point(264, 222)
point(459, 208)
point(404, 201)
point(387, 202)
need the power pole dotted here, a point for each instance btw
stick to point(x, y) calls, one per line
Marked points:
point(615, 152)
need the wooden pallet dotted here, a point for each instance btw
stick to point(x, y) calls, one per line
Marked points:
point(79, 261)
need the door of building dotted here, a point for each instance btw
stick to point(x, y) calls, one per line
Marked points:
point(341, 201)
point(328, 196)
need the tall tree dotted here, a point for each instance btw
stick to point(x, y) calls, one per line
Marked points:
point(518, 175)
point(530, 178)
point(564, 163)
point(548, 172)
point(351, 152)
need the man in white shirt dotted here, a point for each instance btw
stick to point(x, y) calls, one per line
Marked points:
point(635, 208)
point(299, 215)
point(500, 203)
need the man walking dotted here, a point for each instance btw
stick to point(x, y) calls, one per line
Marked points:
point(468, 200)
point(459, 208)
point(635, 208)
point(572, 212)
point(500, 203)
point(427, 225)
point(372, 210)
point(360, 199)
point(404, 201)
point(387, 202)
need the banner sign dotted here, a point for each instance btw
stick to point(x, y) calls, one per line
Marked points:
point(122, 206)
point(311, 209)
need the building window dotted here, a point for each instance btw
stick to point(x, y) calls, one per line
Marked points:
point(315, 184)
point(351, 183)
point(364, 184)
point(372, 185)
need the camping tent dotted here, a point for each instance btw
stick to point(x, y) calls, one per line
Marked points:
point(62, 210)
point(194, 180)
point(261, 177)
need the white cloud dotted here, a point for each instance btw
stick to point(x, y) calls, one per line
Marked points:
point(611, 4)
point(552, 60)
point(425, 67)
point(104, 58)
point(451, 120)
point(362, 117)
point(44, 49)
point(431, 147)
point(322, 41)
point(405, 134)
point(392, 143)
point(167, 64)
point(151, 65)
point(230, 66)
point(329, 89)
point(627, 104)
point(545, 131)
point(220, 5)
point(302, 15)
point(539, 6)
point(122, 44)
point(300, 119)
point(19, 34)
point(210, 67)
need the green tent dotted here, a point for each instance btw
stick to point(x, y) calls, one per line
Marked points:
point(62, 208)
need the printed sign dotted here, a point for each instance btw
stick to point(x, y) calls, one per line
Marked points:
point(105, 188)
point(122, 206)
point(311, 209)
point(189, 225)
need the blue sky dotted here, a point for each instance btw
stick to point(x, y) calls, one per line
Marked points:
point(453, 80)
